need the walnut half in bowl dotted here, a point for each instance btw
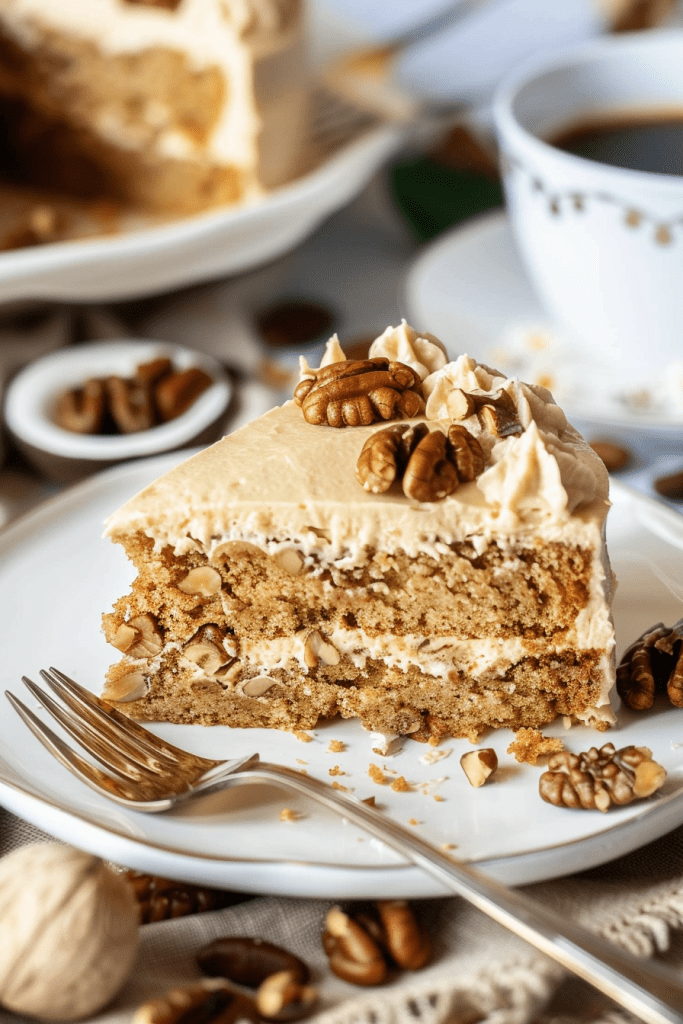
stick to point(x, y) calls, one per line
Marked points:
point(66, 455)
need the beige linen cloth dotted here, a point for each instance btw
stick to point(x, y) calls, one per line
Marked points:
point(479, 971)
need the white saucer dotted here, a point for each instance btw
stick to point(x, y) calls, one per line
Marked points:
point(469, 288)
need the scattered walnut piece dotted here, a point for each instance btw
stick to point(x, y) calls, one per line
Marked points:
point(478, 765)
point(377, 775)
point(361, 948)
point(281, 997)
point(652, 664)
point(670, 485)
point(209, 1000)
point(530, 744)
point(357, 392)
point(161, 899)
point(613, 455)
point(336, 771)
point(370, 801)
point(336, 747)
point(601, 778)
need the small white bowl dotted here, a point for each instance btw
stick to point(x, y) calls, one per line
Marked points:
point(66, 456)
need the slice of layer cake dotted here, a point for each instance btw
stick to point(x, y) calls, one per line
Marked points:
point(434, 564)
point(170, 106)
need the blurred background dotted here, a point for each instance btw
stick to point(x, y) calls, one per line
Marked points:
point(397, 211)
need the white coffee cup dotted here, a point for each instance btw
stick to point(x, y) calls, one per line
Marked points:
point(603, 245)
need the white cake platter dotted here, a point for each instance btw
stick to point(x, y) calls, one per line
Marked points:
point(225, 241)
point(57, 575)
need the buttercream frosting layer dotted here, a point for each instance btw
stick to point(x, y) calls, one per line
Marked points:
point(280, 482)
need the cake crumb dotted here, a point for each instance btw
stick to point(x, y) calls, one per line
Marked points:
point(336, 771)
point(414, 821)
point(336, 747)
point(399, 785)
point(377, 775)
point(439, 799)
point(338, 785)
point(530, 744)
point(301, 761)
point(304, 737)
point(303, 771)
point(448, 846)
point(289, 814)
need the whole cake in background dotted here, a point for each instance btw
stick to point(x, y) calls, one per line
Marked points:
point(413, 542)
point(159, 106)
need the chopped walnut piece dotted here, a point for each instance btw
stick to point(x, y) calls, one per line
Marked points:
point(357, 392)
point(496, 410)
point(204, 581)
point(530, 744)
point(318, 650)
point(336, 747)
point(205, 649)
point(601, 778)
point(479, 765)
point(652, 664)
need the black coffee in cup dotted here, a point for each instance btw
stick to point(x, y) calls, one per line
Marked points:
point(640, 141)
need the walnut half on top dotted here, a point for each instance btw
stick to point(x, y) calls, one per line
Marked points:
point(430, 464)
point(358, 392)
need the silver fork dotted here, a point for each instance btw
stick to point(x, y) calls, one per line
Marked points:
point(145, 773)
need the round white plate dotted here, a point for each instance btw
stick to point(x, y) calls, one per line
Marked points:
point(214, 244)
point(470, 289)
point(56, 578)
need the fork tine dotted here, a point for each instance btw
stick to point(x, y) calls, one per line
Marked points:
point(86, 772)
point(122, 731)
point(92, 740)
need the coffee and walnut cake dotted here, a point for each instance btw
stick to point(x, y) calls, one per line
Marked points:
point(160, 107)
point(413, 542)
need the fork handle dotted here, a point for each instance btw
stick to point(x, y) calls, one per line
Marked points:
point(649, 990)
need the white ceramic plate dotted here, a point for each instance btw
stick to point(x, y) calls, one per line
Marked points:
point(210, 245)
point(56, 578)
point(470, 289)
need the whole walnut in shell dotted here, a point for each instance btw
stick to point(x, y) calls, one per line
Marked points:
point(69, 932)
